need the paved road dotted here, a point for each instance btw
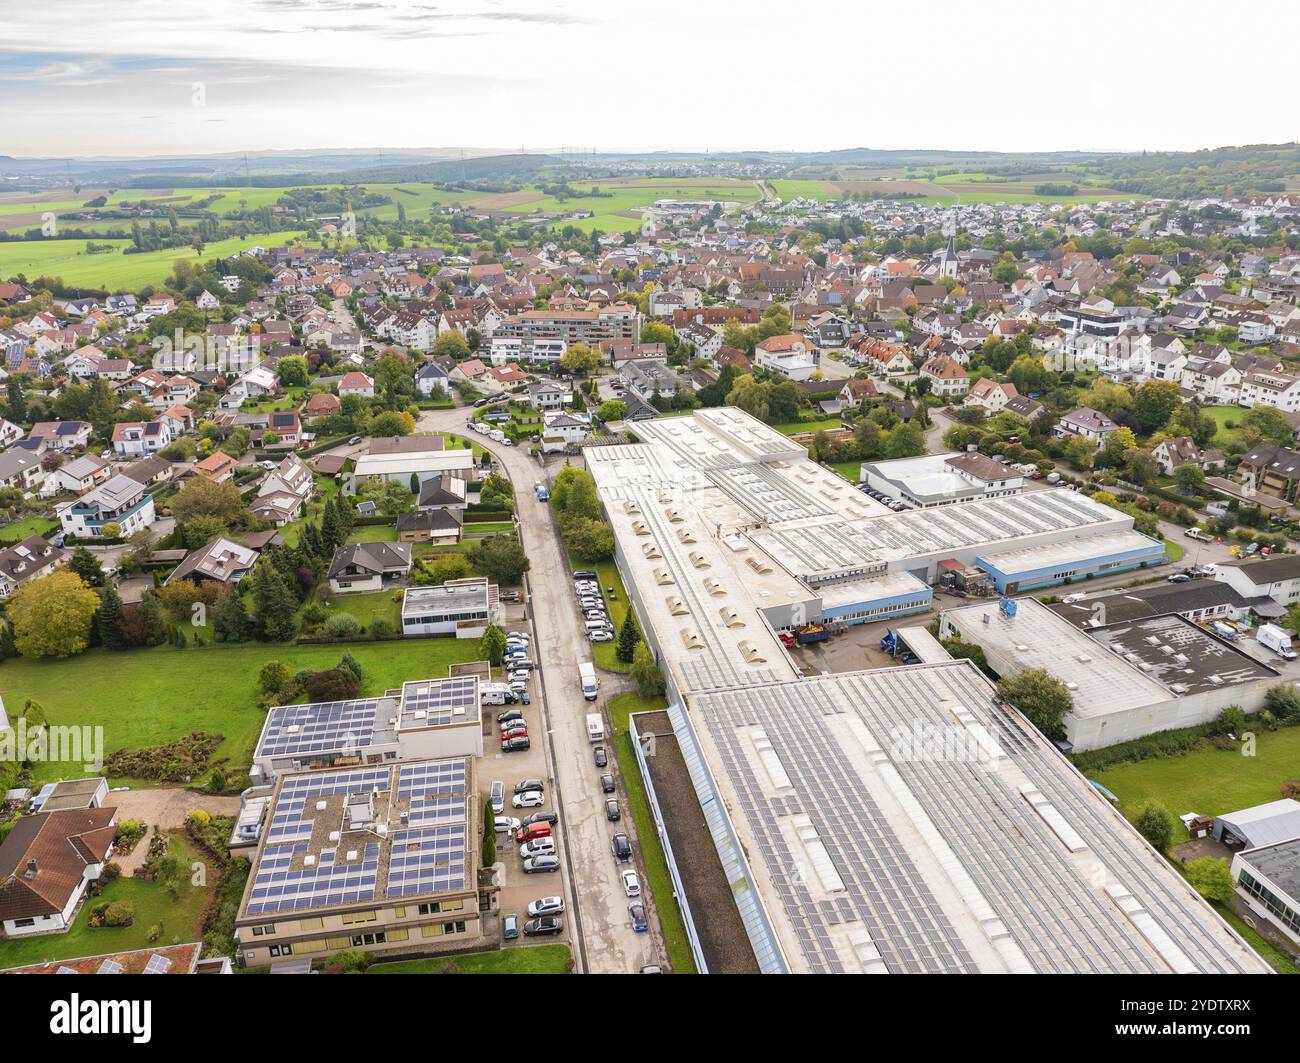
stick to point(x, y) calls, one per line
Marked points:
point(609, 943)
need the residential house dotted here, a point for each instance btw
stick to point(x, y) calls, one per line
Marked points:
point(789, 355)
point(1175, 452)
point(133, 439)
point(119, 500)
point(1087, 423)
point(76, 476)
point(217, 467)
point(947, 378)
point(62, 435)
point(991, 395)
point(432, 378)
point(47, 862)
point(369, 566)
point(356, 383)
point(30, 559)
point(221, 562)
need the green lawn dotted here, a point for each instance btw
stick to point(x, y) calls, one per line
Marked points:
point(499, 527)
point(181, 919)
point(850, 470)
point(1210, 781)
point(1174, 551)
point(21, 529)
point(373, 533)
point(794, 428)
point(365, 607)
point(147, 697)
point(1226, 436)
point(524, 959)
point(652, 852)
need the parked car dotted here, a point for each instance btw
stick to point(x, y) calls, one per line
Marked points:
point(546, 906)
point(1070, 599)
point(637, 913)
point(601, 759)
point(534, 864)
point(507, 824)
point(508, 715)
point(510, 927)
point(631, 884)
point(537, 847)
point(584, 574)
point(543, 927)
point(1180, 577)
point(543, 817)
point(498, 797)
point(528, 799)
point(519, 731)
point(516, 745)
point(605, 635)
point(607, 784)
point(612, 812)
point(622, 848)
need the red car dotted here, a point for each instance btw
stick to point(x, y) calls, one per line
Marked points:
point(514, 732)
point(529, 831)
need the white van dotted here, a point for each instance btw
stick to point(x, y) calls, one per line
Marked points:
point(498, 797)
point(595, 727)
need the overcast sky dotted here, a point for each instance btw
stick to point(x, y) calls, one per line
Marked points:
point(81, 77)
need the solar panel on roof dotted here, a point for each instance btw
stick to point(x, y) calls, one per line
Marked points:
point(110, 966)
point(157, 965)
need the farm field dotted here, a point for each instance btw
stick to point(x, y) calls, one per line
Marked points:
point(148, 697)
point(525, 959)
point(951, 188)
point(112, 270)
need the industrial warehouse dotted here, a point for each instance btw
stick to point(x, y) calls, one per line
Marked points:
point(893, 820)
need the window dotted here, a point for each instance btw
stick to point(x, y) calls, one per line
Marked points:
point(24, 923)
point(310, 924)
point(359, 917)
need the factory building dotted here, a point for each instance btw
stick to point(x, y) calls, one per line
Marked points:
point(1128, 679)
point(889, 821)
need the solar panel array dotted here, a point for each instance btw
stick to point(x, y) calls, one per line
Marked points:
point(442, 701)
point(110, 966)
point(417, 844)
point(321, 727)
point(1006, 855)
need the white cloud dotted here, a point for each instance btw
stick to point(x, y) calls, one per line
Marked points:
point(681, 74)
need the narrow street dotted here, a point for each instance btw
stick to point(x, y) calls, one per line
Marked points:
point(609, 945)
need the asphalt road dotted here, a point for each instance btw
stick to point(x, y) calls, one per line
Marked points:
point(608, 943)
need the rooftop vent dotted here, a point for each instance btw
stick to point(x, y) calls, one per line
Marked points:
point(699, 560)
point(640, 527)
point(676, 606)
point(651, 551)
point(692, 639)
point(751, 653)
point(662, 577)
point(714, 586)
point(730, 617)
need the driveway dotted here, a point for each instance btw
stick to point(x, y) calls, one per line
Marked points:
point(597, 906)
point(166, 809)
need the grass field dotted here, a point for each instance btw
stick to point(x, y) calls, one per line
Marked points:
point(180, 917)
point(148, 697)
point(523, 959)
point(366, 607)
point(652, 852)
point(794, 428)
point(373, 533)
point(1222, 415)
point(1209, 782)
point(850, 470)
point(67, 259)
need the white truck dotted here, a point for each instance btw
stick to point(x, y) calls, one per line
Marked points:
point(587, 680)
point(1277, 639)
point(595, 727)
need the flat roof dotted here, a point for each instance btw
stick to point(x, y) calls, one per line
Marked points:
point(1066, 552)
point(1149, 601)
point(933, 476)
point(1101, 682)
point(872, 852)
point(453, 596)
point(1280, 864)
point(1182, 657)
point(339, 838)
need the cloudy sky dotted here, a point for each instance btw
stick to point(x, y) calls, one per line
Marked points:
point(84, 78)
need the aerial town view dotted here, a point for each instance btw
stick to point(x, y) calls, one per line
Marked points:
point(647, 533)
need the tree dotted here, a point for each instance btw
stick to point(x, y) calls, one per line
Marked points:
point(645, 673)
point(500, 558)
point(273, 677)
point(106, 619)
point(1042, 698)
point(1266, 423)
point(751, 396)
point(87, 566)
point(451, 344)
point(492, 646)
point(905, 441)
point(1211, 878)
point(1189, 478)
point(1282, 700)
point(629, 638)
point(1156, 825)
point(579, 359)
point(202, 497)
point(590, 541)
point(293, 371)
point(489, 841)
point(230, 620)
point(613, 410)
point(1155, 402)
point(333, 684)
point(52, 615)
point(274, 603)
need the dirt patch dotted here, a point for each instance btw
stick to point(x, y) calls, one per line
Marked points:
point(167, 806)
point(713, 908)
